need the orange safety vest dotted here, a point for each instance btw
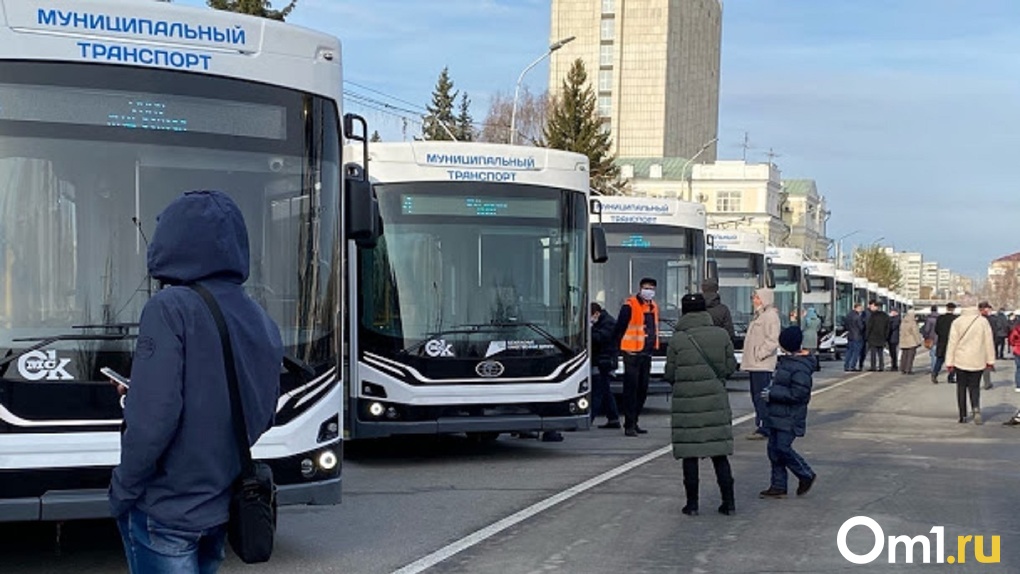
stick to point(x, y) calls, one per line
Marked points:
point(634, 337)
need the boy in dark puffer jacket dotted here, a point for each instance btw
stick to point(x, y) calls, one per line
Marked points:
point(787, 399)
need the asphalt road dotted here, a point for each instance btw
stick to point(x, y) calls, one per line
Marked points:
point(884, 446)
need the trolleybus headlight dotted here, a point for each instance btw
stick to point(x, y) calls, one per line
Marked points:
point(582, 404)
point(583, 387)
point(307, 468)
point(327, 460)
point(330, 429)
point(391, 413)
point(376, 409)
point(573, 408)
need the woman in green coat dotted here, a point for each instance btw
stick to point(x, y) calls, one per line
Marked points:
point(699, 360)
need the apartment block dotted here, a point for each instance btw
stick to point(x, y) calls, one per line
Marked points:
point(654, 65)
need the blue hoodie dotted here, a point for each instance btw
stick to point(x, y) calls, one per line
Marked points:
point(178, 453)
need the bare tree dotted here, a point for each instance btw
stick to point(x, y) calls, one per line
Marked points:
point(875, 264)
point(1004, 288)
point(529, 123)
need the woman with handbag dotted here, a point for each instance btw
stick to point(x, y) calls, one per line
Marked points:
point(910, 341)
point(970, 350)
point(699, 360)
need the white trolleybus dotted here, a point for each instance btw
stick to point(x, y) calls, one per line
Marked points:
point(659, 238)
point(835, 342)
point(737, 258)
point(472, 309)
point(821, 279)
point(861, 295)
point(785, 267)
point(662, 238)
point(873, 294)
point(109, 110)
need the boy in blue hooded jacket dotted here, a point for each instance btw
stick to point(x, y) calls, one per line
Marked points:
point(787, 399)
point(179, 457)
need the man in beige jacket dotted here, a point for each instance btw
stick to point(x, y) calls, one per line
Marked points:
point(759, 360)
point(970, 351)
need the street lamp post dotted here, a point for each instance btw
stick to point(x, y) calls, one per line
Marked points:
point(517, 90)
point(839, 247)
point(683, 172)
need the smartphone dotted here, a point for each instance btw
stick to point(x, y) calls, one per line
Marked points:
point(114, 375)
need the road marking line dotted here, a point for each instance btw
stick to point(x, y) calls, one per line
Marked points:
point(495, 528)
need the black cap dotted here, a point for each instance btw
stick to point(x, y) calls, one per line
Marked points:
point(692, 303)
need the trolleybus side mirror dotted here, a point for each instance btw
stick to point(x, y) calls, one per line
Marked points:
point(599, 249)
point(712, 270)
point(805, 281)
point(362, 208)
point(770, 278)
point(711, 265)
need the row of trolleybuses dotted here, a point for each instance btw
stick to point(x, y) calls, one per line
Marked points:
point(420, 287)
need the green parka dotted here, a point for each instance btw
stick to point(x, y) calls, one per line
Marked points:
point(702, 421)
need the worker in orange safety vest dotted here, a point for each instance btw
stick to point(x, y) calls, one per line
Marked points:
point(637, 330)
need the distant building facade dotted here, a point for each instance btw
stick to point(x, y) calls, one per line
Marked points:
point(1004, 281)
point(804, 210)
point(654, 65)
point(911, 267)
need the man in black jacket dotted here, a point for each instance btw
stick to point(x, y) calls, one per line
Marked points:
point(894, 339)
point(604, 353)
point(942, 325)
point(877, 335)
point(721, 316)
point(854, 339)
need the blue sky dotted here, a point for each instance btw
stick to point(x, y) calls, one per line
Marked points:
point(906, 112)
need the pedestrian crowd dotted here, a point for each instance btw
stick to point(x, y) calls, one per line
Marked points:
point(700, 357)
point(780, 363)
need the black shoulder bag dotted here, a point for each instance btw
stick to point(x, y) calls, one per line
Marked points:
point(252, 524)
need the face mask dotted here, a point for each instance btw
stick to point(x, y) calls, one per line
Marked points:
point(593, 319)
point(648, 294)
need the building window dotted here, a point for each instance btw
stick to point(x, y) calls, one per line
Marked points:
point(608, 29)
point(605, 106)
point(606, 55)
point(727, 201)
point(607, 6)
point(605, 80)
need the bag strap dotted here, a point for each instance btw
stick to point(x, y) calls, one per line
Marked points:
point(236, 406)
point(967, 330)
point(701, 352)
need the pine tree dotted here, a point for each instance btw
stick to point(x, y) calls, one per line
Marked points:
point(465, 131)
point(440, 121)
point(574, 125)
point(375, 137)
point(261, 8)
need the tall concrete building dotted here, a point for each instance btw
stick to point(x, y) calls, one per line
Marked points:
point(654, 65)
point(930, 280)
point(911, 267)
